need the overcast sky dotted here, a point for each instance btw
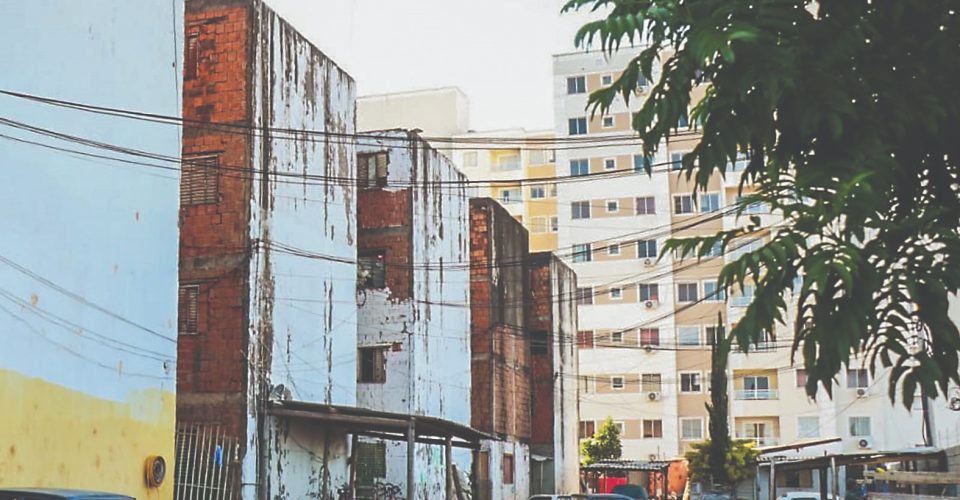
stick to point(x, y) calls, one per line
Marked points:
point(497, 51)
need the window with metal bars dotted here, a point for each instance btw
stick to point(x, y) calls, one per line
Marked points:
point(199, 177)
point(191, 54)
point(372, 365)
point(371, 462)
point(188, 309)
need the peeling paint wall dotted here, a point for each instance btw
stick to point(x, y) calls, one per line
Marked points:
point(303, 271)
point(422, 317)
point(498, 488)
point(87, 359)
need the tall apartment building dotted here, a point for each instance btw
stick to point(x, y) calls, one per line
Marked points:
point(645, 325)
point(515, 159)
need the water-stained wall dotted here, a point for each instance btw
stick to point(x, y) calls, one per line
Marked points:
point(417, 220)
point(88, 257)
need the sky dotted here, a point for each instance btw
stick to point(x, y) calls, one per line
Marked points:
point(497, 51)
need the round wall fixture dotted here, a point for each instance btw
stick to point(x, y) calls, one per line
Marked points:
point(155, 470)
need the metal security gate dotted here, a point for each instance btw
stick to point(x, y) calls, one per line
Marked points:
point(208, 464)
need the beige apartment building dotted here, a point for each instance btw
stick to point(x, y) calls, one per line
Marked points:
point(646, 323)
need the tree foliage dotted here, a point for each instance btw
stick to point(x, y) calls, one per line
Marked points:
point(848, 110)
point(603, 445)
point(737, 461)
point(719, 444)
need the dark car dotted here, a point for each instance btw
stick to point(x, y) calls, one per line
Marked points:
point(55, 494)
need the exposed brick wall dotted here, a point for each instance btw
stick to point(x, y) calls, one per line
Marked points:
point(500, 398)
point(384, 221)
point(214, 240)
point(540, 319)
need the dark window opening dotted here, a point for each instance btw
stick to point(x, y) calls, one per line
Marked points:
point(372, 270)
point(587, 429)
point(372, 169)
point(507, 468)
point(198, 180)
point(372, 365)
point(371, 462)
point(191, 56)
point(539, 342)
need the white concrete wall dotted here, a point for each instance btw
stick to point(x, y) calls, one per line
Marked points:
point(88, 284)
point(300, 306)
point(566, 446)
point(428, 373)
point(520, 488)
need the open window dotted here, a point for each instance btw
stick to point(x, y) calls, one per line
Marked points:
point(372, 270)
point(372, 365)
point(372, 170)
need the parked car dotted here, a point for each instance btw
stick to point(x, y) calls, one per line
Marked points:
point(802, 495)
point(56, 494)
point(582, 496)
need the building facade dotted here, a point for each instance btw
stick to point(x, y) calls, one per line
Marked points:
point(267, 248)
point(89, 255)
point(413, 315)
point(647, 320)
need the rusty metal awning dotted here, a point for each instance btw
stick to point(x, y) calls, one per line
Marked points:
point(860, 458)
point(380, 424)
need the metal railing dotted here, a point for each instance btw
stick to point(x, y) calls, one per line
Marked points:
point(761, 440)
point(756, 394)
point(208, 463)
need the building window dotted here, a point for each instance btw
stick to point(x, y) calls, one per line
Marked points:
point(860, 427)
point(646, 205)
point(711, 292)
point(688, 335)
point(616, 337)
point(585, 339)
point(576, 85)
point(508, 468)
point(470, 159)
point(609, 163)
point(580, 210)
point(619, 426)
point(756, 387)
point(652, 428)
point(683, 121)
point(616, 382)
point(649, 337)
point(372, 365)
point(579, 167)
point(191, 56)
point(372, 169)
point(613, 206)
point(508, 162)
point(690, 382)
point(691, 429)
point(683, 204)
point(642, 163)
point(648, 291)
point(554, 224)
point(753, 208)
point(587, 429)
point(582, 253)
point(744, 298)
point(584, 295)
point(606, 80)
point(613, 249)
point(538, 192)
point(199, 177)
point(372, 270)
point(858, 378)
point(650, 382)
point(716, 250)
point(808, 427)
point(538, 225)
point(371, 462)
point(687, 292)
point(712, 333)
point(646, 249)
point(801, 377)
point(709, 202)
point(509, 196)
point(616, 293)
point(577, 126)
point(539, 342)
point(608, 122)
point(676, 161)
point(188, 309)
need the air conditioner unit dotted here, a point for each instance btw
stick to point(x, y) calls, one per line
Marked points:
point(648, 348)
point(861, 392)
point(650, 304)
point(649, 262)
point(652, 457)
point(653, 396)
point(864, 443)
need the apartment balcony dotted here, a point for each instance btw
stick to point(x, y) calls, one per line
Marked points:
point(761, 441)
point(756, 394)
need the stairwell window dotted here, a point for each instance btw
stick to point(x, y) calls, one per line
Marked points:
point(577, 126)
point(372, 170)
point(372, 365)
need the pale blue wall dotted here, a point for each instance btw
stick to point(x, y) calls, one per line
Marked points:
point(106, 231)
